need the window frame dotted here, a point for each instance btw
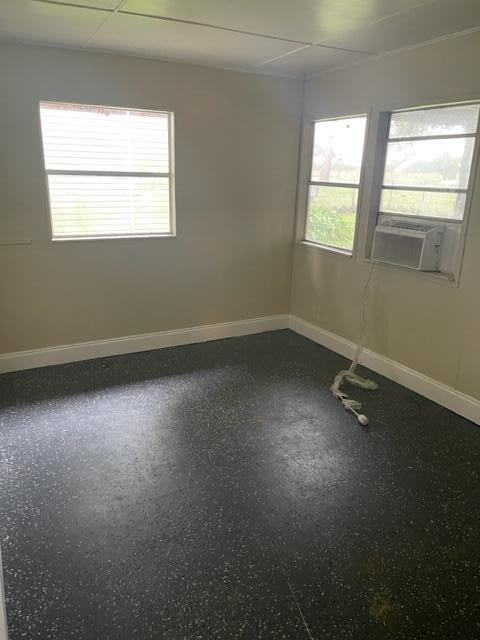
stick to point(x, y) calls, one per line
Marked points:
point(303, 197)
point(170, 175)
point(427, 189)
point(383, 116)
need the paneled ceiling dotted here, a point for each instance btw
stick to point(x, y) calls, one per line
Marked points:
point(286, 37)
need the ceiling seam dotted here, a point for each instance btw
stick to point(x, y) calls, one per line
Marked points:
point(76, 5)
point(163, 59)
point(213, 26)
point(315, 46)
point(392, 52)
point(334, 47)
point(104, 22)
point(275, 74)
point(304, 44)
point(233, 30)
point(281, 56)
point(152, 16)
point(170, 19)
point(375, 22)
point(316, 43)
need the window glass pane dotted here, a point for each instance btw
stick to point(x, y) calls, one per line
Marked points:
point(78, 137)
point(424, 203)
point(331, 216)
point(431, 122)
point(429, 163)
point(108, 205)
point(338, 150)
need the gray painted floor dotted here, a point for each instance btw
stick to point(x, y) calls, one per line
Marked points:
point(219, 491)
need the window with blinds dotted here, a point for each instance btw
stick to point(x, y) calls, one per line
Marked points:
point(109, 171)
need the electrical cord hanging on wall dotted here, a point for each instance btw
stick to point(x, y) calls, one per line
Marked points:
point(349, 375)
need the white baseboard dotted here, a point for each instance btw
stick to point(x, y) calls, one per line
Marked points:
point(131, 344)
point(3, 610)
point(458, 402)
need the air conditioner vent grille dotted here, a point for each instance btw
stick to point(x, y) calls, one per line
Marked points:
point(411, 226)
point(402, 250)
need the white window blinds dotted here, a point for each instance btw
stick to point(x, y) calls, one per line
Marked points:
point(109, 171)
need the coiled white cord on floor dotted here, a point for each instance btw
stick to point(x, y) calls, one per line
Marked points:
point(349, 374)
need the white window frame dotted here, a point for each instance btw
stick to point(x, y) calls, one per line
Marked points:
point(305, 182)
point(388, 140)
point(170, 175)
point(380, 152)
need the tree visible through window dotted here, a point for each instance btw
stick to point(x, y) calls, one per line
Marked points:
point(109, 171)
point(428, 161)
point(334, 181)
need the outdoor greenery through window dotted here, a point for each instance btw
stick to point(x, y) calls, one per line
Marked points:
point(109, 171)
point(428, 161)
point(334, 181)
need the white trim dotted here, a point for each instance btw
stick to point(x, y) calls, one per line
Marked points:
point(305, 182)
point(458, 402)
point(170, 175)
point(144, 342)
point(163, 236)
point(384, 139)
point(3, 610)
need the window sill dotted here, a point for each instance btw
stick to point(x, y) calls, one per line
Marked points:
point(441, 277)
point(326, 249)
point(129, 237)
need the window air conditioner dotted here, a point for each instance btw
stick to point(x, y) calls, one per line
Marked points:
point(416, 245)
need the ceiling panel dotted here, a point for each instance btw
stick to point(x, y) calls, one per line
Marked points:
point(30, 21)
point(186, 42)
point(311, 61)
point(98, 4)
point(303, 20)
point(337, 23)
point(433, 20)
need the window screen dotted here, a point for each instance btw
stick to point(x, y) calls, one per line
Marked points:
point(428, 162)
point(334, 182)
point(109, 171)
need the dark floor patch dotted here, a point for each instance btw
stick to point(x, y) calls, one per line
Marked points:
point(380, 609)
point(187, 493)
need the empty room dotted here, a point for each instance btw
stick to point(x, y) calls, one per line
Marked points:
point(239, 319)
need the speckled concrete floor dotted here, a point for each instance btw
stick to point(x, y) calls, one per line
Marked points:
point(219, 491)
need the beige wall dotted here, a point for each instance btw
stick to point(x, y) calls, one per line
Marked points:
point(428, 325)
point(236, 163)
